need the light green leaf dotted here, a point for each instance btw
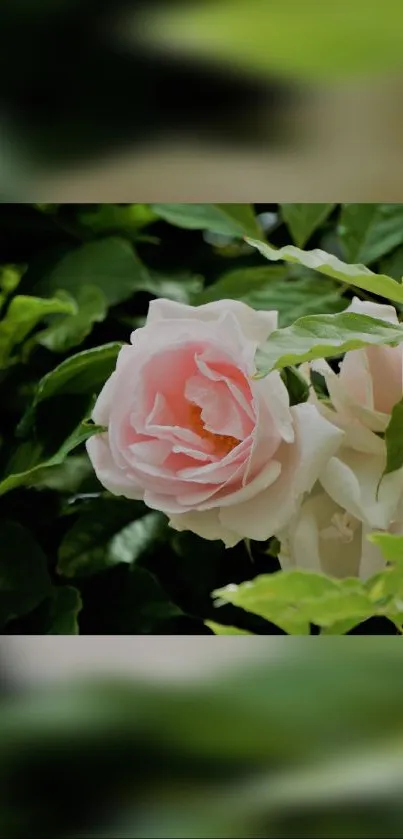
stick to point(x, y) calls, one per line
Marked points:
point(303, 219)
point(236, 220)
point(369, 231)
point(291, 292)
point(109, 264)
point(325, 263)
point(221, 629)
point(10, 276)
point(294, 599)
point(105, 535)
point(24, 579)
point(391, 546)
point(394, 439)
point(323, 336)
point(23, 314)
point(126, 219)
point(65, 607)
point(64, 334)
point(30, 460)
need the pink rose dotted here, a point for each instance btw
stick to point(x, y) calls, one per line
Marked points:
point(194, 435)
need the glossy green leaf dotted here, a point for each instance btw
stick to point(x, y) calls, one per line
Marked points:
point(303, 219)
point(107, 533)
point(24, 578)
point(23, 314)
point(369, 231)
point(323, 336)
point(84, 372)
point(291, 293)
point(30, 460)
point(331, 266)
point(236, 220)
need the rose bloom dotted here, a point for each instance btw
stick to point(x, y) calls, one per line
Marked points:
point(194, 435)
point(324, 537)
point(362, 395)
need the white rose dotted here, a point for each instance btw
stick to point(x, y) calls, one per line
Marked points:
point(324, 537)
point(362, 394)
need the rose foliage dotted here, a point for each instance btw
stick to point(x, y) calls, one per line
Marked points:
point(202, 422)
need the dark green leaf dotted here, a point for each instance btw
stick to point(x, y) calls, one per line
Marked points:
point(65, 607)
point(303, 219)
point(84, 372)
point(394, 439)
point(109, 532)
point(109, 264)
point(24, 579)
point(30, 460)
point(126, 219)
point(236, 220)
point(369, 231)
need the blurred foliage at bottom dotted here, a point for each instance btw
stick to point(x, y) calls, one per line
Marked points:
point(308, 744)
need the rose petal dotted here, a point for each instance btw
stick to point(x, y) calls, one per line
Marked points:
point(255, 325)
point(301, 464)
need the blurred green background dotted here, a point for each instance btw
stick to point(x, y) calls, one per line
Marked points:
point(304, 744)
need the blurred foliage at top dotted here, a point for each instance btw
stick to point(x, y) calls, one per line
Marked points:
point(307, 745)
point(75, 280)
point(80, 81)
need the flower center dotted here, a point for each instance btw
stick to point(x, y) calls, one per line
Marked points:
point(221, 442)
point(342, 527)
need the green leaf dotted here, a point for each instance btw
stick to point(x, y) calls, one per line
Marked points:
point(323, 336)
point(296, 384)
point(291, 293)
point(394, 439)
point(23, 314)
point(235, 220)
point(109, 264)
point(65, 607)
point(144, 605)
point(106, 535)
point(24, 579)
point(64, 334)
point(369, 231)
point(331, 266)
point(84, 372)
point(391, 546)
point(30, 459)
point(294, 599)
point(126, 219)
point(303, 219)
point(220, 629)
